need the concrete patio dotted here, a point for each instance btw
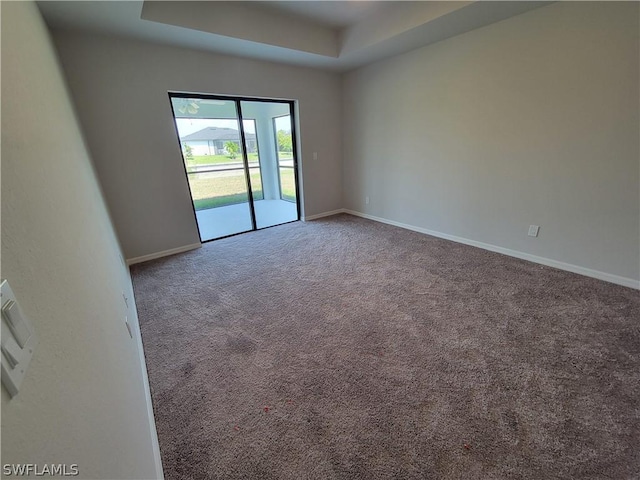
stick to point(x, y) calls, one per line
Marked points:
point(229, 220)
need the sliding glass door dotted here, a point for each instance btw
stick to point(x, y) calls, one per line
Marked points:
point(275, 140)
point(283, 128)
point(239, 158)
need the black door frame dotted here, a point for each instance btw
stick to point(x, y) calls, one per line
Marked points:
point(237, 100)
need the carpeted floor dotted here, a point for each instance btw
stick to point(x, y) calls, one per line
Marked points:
point(348, 349)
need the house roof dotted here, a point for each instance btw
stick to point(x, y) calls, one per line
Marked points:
point(217, 133)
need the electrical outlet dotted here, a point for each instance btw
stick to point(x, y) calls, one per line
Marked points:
point(315, 155)
point(366, 200)
point(533, 230)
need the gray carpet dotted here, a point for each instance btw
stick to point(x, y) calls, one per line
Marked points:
point(348, 349)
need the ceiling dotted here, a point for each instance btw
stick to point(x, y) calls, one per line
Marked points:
point(331, 14)
point(333, 35)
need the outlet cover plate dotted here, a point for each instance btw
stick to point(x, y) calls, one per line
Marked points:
point(13, 375)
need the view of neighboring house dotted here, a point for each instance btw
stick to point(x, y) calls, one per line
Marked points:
point(211, 140)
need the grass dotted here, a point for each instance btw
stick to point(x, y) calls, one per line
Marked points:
point(210, 190)
point(199, 160)
point(213, 202)
point(285, 155)
point(288, 184)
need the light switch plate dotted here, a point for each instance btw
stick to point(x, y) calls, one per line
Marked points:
point(15, 359)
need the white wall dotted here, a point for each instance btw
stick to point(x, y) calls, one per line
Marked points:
point(120, 91)
point(85, 397)
point(532, 120)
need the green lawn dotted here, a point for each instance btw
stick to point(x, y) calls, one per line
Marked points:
point(217, 159)
point(210, 190)
point(288, 184)
point(199, 160)
point(213, 202)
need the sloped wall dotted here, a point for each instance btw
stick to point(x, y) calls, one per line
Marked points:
point(85, 398)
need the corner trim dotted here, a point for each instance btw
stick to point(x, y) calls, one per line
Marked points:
point(588, 272)
point(324, 214)
point(164, 253)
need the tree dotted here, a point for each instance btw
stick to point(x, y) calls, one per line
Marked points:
point(188, 153)
point(284, 141)
point(232, 148)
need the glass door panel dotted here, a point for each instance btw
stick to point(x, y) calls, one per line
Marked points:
point(213, 154)
point(283, 129)
point(277, 166)
point(253, 157)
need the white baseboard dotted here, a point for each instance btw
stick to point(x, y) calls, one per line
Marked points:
point(164, 253)
point(155, 444)
point(324, 214)
point(607, 277)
